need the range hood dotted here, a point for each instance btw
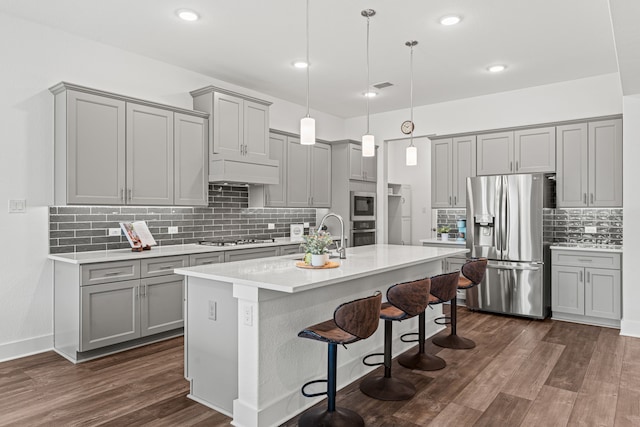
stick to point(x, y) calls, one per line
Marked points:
point(229, 168)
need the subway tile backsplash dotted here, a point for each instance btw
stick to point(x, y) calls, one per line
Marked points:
point(85, 228)
point(565, 227)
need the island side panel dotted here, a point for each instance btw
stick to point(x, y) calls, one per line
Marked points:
point(66, 310)
point(211, 343)
point(275, 362)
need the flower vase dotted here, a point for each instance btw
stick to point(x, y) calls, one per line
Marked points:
point(319, 260)
point(444, 236)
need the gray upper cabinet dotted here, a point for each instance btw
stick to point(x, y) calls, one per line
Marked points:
point(190, 160)
point(590, 164)
point(298, 176)
point(320, 176)
point(276, 195)
point(89, 149)
point(115, 150)
point(452, 161)
point(361, 168)
point(228, 126)
point(522, 151)
point(256, 129)
point(149, 155)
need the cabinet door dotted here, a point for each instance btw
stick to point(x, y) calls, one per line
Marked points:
point(191, 161)
point(149, 155)
point(321, 176)
point(206, 258)
point(161, 304)
point(290, 249)
point(256, 129)
point(602, 293)
point(95, 149)
point(464, 166)
point(571, 172)
point(355, 162)
point(109, 314)
point(441, 163)
point(495, 153)
point(298, 177)
point(567, 289)
point(369, 168)
point(227, 124)
point(605, 163)
point(405, 200)
point(276, 195)
point(535, 150)
point(406, 230)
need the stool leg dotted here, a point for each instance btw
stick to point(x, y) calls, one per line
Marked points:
point(421, 360)
point(386, 387)
point(453, 340)
point(331, 416)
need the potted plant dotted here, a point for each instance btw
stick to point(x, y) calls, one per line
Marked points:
point(315, 244)
point(444, 232)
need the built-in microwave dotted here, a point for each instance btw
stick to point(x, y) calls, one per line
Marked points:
point(363, 206)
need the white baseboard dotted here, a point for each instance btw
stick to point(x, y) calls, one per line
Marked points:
point(22, 348)
point(630, 328)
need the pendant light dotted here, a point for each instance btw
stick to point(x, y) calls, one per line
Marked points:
point(307, 124)
point(412, 151)
point(368, 140)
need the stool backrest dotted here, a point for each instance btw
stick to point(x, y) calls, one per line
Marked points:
point(359, 317)
point(410, 297)
point(474, 270)
point(445, 286)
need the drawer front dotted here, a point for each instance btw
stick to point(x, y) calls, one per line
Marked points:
point(153, 267)
point(244, 254)
point(290, 249)
point(586, 259)
point(104, 272)
point(204, 259)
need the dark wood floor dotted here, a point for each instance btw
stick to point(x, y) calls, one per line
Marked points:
point(522, 373)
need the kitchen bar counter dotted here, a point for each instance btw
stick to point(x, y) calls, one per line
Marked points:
point(242, 354)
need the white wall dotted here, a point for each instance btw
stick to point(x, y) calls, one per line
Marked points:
point(631, 176)
point(34, 58)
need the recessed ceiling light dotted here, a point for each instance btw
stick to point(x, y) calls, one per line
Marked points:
point(497, 68)
point(370, 94)
point(187, 15)
point(450, 20)
point(300, 64)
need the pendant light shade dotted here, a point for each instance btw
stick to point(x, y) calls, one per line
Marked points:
point(307, 131)
point(412, 151)
point(368, 140)
point(307, 124)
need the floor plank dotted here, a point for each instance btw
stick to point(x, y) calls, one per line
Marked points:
point(551, 408)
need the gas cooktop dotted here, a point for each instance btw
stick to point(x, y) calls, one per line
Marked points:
point(225, 241)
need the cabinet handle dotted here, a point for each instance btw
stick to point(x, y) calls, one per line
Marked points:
point(455, 200)
point(584, 197)
point(137, 291)
point(145, 290)
point(581, 277)
point(585, 259)
point(517, 166)
point(165, 267)
point(591, 198)
point(588, 277)
point(112, 273)
point(122, 194)
point(510, 166)
point(402, 200)
point(449, 200)
point(129, 194)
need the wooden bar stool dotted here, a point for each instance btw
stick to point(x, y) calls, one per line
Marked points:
point(405, 300)
point(471, 274)
point(352, 321)
point(443, 287)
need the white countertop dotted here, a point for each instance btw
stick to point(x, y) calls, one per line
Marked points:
point(156, 251)
point(587, 249)
point(452, 242)
point(281, 274)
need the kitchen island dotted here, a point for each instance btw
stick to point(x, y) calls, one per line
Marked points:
point(242, 354)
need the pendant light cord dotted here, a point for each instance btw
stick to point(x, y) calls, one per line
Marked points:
point(308, 65)
point(411, 44)
point(367, 93)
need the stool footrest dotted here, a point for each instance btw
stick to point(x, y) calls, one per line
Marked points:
point(442, 320)
point(364, 359)
point(305, 385)
point(404, 337)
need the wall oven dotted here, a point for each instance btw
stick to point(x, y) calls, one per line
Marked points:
point(363, 233)
point(363, 206)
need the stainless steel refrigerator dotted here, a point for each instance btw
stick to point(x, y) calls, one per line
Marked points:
point(504, 224)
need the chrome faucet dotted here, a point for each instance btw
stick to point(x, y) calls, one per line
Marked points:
point(342, 250)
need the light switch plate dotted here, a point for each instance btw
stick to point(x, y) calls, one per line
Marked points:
point(305, 224)
point(114, 232)
point(591, 229)
point(173, 230)
point(17, 206)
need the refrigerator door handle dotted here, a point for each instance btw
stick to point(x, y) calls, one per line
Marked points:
point(504, 203)
point(513, 267)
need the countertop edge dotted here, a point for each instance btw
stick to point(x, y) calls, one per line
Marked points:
point(583, 249)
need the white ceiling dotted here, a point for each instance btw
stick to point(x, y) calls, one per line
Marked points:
point(252, 43)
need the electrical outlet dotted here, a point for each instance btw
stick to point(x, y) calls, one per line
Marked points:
point(591, 229)
point(17, 206)
point(115, 232)
point(213, 310)
point(271, 226)
point(173, 230)
point(247, 315)
point(305, 224)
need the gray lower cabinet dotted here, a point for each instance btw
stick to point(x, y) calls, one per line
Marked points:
point(206, 258)
point(586, 287)
point(290, 249)
point(589, 157)
point(253, 253)
point(161, 304)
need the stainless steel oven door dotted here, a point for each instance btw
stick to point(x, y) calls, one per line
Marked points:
point(363, 237)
